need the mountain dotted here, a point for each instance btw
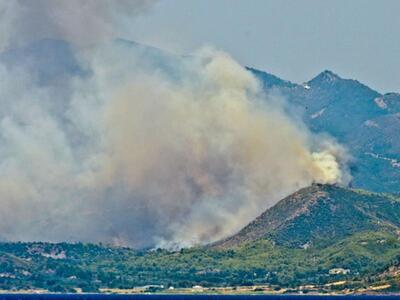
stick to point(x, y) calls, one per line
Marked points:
point(313, 239)
point(48, 61)
point(53, 61)
point(364, 121)
point(320, 214)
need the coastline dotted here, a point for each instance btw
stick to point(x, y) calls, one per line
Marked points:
point(214, 291)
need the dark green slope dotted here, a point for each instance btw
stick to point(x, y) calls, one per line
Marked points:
point(321, 214)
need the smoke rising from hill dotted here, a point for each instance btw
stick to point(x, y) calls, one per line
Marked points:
point(147, 149)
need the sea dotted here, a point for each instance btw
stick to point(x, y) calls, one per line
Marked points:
point(189, 297)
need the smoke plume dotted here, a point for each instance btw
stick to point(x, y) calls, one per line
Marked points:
point(81, 22)
point(142, 148)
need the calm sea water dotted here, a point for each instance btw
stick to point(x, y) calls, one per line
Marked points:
point(185, 297)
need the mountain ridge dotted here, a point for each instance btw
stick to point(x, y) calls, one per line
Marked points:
point(318, 212)
point(365, 121)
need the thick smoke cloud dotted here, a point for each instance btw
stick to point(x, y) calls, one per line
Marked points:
point(145, 149)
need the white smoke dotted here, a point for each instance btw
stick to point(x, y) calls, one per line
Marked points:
point(142, 151)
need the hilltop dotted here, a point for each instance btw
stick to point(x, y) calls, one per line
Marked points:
point(321, 213)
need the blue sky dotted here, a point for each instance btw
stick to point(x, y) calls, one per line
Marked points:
point(292, 39)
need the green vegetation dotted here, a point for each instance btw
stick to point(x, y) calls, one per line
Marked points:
point(27, 265)
point(302, 240)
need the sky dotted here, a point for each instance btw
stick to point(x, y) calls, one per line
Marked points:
point(294, 40)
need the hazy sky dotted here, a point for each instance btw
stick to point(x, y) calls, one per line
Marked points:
point(292, 39)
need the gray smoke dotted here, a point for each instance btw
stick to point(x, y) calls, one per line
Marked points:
point(145, 149)
point(81, 22)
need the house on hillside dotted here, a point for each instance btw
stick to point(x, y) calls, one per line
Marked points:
point(339, 271)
